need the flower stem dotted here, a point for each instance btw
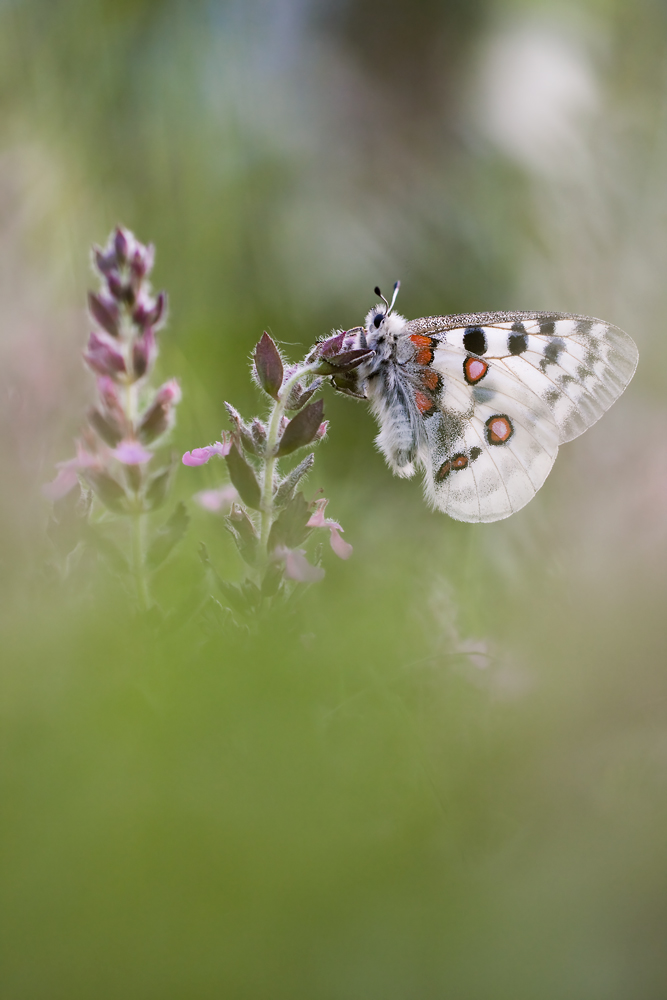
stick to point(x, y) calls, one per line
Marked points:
point(138, 565)
point(277, 413)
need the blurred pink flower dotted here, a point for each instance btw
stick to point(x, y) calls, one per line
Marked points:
point(297, 566)
point(132, 453)
point(68, 475)
point(217, 501)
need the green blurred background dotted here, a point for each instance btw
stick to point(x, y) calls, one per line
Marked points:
point(445, 776)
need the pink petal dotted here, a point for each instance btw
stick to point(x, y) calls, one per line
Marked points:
point(342, 548)
point(298, 568)
point(217, 500)
point(200, 456)
point(317, 520)
point(132, 453)
point(65, 481)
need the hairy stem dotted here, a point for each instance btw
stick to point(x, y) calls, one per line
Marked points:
point(277, 413)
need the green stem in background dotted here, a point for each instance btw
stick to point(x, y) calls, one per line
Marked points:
point(277, 413)
point(138, 561)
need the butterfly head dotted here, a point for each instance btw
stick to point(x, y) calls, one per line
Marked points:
point(383, 324)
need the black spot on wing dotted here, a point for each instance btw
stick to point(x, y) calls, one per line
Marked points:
point(517, 342)
point(552, 352)
point(474, 340)
point(547, 328)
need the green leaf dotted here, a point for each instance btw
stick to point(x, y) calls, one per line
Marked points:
point(244, 479)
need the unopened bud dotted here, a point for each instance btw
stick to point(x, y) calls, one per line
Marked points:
point(106, 427)
point(332, 345)
point(268, 366)
point(144, 353)
point(120, 291)
point(103, 356)
point(141, 262)
point(158, 418)
point(104, 310)
point(121, 243)
point(104, 260)
point(150, 312)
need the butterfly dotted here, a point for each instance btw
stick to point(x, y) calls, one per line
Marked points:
point(482, 401)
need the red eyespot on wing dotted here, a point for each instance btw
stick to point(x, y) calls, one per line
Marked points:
point(474, 370)
point(424, 352)
point(451, 465)
point(499, 429)
point(424, 404)
point(430, 380)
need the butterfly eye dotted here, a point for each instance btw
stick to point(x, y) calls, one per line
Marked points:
point(377, 320)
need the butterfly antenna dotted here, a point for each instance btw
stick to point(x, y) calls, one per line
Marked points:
point(397, 286)
point(381, 296)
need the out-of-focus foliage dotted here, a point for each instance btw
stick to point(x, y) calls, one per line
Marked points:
point(446, 773)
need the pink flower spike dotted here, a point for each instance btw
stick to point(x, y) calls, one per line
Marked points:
point(132, 453)
point(342, 548)
point(297, 566)
point(217, 501)
point(200, 456)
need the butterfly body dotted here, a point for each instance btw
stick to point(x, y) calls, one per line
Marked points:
point(482, 401)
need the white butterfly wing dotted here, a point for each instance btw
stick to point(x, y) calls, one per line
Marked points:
point(577, 365)
point(550, 376)
point(490, 445)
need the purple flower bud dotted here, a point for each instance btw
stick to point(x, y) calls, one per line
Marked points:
point(122, 241)
point(104, 260)
point(258, 432)
point(103, 309)
point(118, 288)
point(144, 353)
point(158, 418)
point(297, 566)
point(131, 452)
point(332, 345)
point(300, 395)
point(268, 366)
point(344, 362)
point(150, 312)
point(200, 456)
point(103, 356)
point(321, 431)
point(108, 391)
point(141, 262)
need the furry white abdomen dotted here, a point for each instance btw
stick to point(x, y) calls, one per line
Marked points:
point(401, 428)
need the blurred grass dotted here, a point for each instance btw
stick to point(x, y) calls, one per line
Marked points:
point(445, 774)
